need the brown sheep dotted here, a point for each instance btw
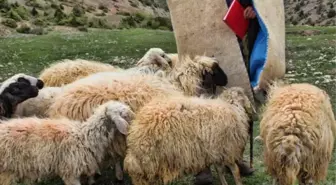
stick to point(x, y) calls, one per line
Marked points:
point(298, 132)
point(178, 135)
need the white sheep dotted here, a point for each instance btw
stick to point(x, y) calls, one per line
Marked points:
point(298, 130)
point(67, 71)
point(33, 148)
point(79, 99)
point(15, 90)
point(177, 135)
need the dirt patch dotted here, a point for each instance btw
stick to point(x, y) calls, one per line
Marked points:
point(4, 31)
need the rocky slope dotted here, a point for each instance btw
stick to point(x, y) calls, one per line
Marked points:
point(20, 14)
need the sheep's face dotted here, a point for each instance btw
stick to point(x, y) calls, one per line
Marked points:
point(157, 57)
point(212, 74)
point(20, 91)
point(120, 114)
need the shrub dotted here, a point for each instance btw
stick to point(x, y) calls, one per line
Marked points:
point(34, 12)
point(134, 4)
point(37, 31)
point(77, 21)
point(103, 7)
point(100, 14)
point(23, 12)
point(33, 3)
point(331, 13)
point(4, 5)
point(78, 11)
point(10, 23)
point(59, 15)
point(83, 28)
point(14, 15)
point(123, 13)
point(91, 8)
point(98, 23)
point(39, 22)
point(23, 29)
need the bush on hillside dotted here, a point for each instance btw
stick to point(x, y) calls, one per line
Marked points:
point(331, 13)
point(37, 31)
point(98, 23)
point(83, 28)
point(14, 15)
point(4, 5)
point(103, 7)
point(23, 12)
point(24, 28)
point(39, 22)
point(34, 12)
point(78, 11)
point(145, 21)
point(10, 23)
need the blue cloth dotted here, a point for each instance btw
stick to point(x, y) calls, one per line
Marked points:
point(259, 53)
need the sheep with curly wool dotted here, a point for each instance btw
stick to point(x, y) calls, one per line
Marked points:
point(298, 132)
point(178, 135)
point(67, 71)
point(15, 90)
point(34, 149)
point(79, 99)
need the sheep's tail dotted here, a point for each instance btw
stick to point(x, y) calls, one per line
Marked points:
point(287, 159)
point(251, 142)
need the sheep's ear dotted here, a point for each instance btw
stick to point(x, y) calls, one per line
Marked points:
point(219, 77)
point(121, 125)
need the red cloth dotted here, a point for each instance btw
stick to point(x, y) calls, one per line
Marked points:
point(235, 19)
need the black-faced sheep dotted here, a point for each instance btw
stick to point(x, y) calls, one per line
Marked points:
point(16, 90)
point(298, 133)
point(79, 99)
point(177, 135)
point(33, 149)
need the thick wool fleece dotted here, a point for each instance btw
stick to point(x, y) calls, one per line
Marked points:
point(298, 131)
point(173, 136)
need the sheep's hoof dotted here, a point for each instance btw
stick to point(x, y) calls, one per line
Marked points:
point(204, 177)
point(244, 169)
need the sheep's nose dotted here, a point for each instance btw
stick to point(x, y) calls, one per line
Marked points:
point(40, 84)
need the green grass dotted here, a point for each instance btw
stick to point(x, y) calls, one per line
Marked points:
point(309, 58)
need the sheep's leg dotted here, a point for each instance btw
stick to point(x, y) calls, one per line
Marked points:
point(275, 182)
point(118, 171)
point(72, 181)
point(221, 174)
point(236, 174)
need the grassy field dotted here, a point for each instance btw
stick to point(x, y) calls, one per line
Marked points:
point(309, 58)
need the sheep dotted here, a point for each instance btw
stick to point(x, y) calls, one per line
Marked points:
point(67, 71)
point(173, 136)
point(298, 132)
point(38, 106)
point(78, 100)
point(34, 149)
point(15, 90)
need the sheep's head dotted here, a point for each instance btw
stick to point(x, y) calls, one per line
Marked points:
point(120, 114)
point(212, 74)
point(237, 96)
point(20, 88)
point(156, 56)
point(17, 89)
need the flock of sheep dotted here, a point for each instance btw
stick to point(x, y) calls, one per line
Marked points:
point(161, 118)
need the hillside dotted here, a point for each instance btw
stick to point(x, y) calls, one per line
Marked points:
point(311, 12)
point(38, 16)
point(25, 15)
